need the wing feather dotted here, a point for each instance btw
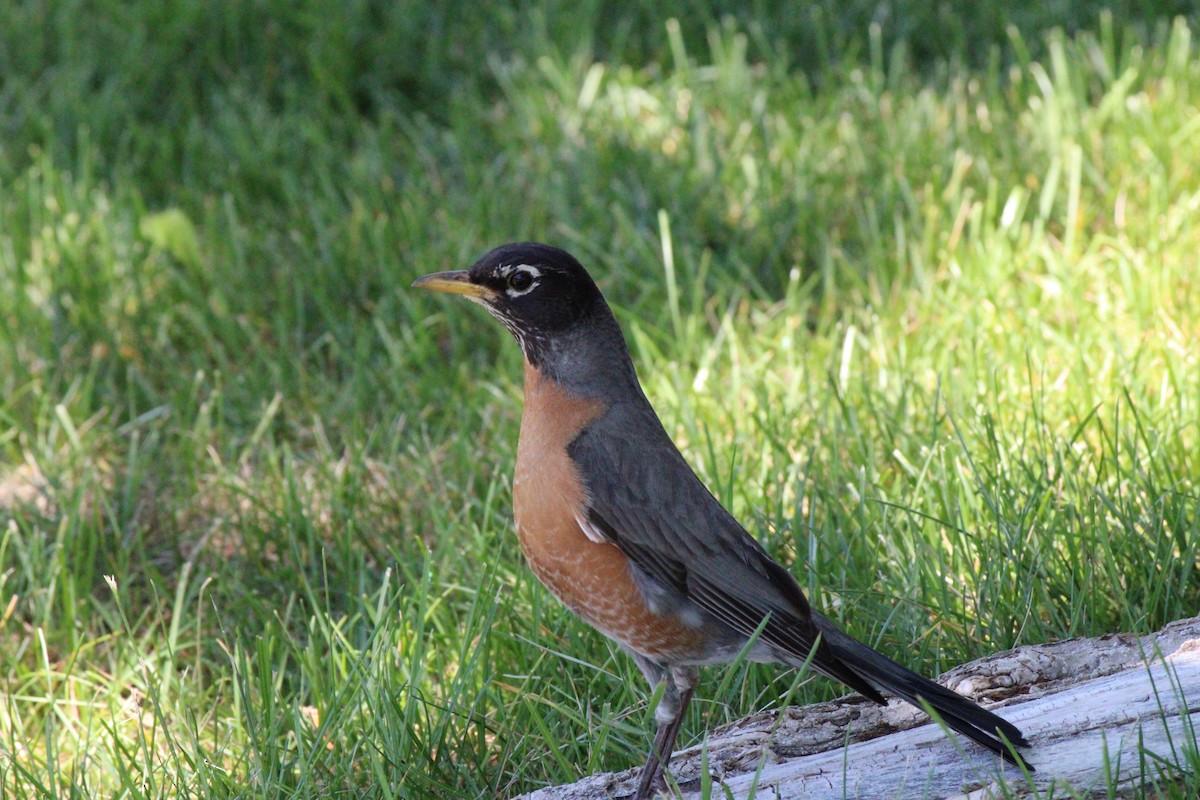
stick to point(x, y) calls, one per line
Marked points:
point(644, 498)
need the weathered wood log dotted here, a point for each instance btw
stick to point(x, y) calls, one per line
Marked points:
point(1093, 710)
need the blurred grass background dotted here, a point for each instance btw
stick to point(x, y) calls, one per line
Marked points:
point(914, 287)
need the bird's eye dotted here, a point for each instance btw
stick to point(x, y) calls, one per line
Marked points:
point(520, 280)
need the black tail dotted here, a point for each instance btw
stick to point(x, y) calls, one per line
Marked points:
point(963, 715)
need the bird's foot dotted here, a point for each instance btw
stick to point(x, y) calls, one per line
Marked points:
point(652, 782)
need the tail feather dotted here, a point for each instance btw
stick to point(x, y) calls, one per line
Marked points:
point(881, 673)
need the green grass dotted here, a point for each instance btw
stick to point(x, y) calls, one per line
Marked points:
point(915, 293)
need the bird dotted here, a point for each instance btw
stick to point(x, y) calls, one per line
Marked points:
point(617, 525)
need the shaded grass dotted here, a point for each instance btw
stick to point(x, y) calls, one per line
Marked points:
point(915, 299)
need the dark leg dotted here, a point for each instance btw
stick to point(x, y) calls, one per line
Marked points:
point(680, 684)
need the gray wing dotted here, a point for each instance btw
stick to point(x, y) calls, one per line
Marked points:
point(645, 498)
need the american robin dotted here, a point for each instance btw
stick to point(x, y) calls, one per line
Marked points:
point(615, 523)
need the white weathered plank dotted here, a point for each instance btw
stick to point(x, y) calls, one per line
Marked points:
point(1076, 701)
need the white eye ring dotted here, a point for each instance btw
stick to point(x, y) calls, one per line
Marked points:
point(522, 279)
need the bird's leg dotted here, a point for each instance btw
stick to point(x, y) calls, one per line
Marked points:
point(680, 684)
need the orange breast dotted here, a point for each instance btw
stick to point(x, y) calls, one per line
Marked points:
point(591, 578)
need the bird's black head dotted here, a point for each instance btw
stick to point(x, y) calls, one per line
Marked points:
point(539, 292)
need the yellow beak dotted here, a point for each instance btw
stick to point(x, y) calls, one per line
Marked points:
point(455, 282)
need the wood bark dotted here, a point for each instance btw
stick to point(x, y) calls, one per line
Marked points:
point(1110, 716)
